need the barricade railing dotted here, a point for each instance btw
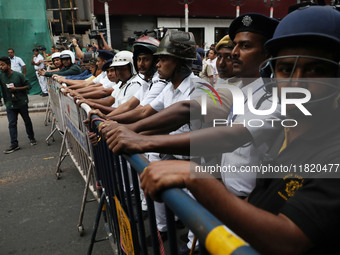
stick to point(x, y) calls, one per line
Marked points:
point(54, 110)
point(119, 195)
point(68, 120)
point(124, 209)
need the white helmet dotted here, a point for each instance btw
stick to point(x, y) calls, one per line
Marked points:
point(56, 55)
point(123, 58)
point(68, 54)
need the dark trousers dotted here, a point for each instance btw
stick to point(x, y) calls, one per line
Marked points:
point(12, 115)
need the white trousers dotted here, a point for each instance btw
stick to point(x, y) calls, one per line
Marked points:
point(42, 82)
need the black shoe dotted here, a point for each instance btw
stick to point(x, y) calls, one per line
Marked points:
point(33, 142)
point(184, 250)
point(11, 149)
point(44, 94)
point(164, 237)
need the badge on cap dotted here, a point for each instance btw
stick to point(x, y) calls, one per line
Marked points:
point(247, 21)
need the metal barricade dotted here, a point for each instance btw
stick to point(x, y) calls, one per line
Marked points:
point(68, 121)
point(76, 144)
point(119, 194)
point(124, 214)
point(54, 109)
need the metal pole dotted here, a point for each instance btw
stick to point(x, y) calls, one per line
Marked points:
point(72, 16)
point(61, 18)
point(186, 12)
point(271, 9)
point(107, 19)
point(93, 18)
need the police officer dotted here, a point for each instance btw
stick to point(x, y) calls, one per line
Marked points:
point(176, 53)
point(69, 67)
point(286, 215)
point(151, 84)
point(100, 80)
point(123, 70)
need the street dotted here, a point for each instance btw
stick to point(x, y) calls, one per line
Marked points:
point(39, 214)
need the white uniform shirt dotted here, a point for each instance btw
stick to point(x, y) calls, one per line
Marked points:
point(17, 64)
point(213, 64)
point(150, 90)
point(185, 91)
point(241, 184)
point(36, 60)
point(125, 91)
point(169, 95)
point(103, 80)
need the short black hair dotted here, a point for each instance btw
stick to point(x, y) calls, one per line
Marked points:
point(213, 49)
point(6, 60)
point(11, 49)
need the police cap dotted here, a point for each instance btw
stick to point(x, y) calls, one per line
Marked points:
point(255, 23)
point(225, 42)
point(105, 54)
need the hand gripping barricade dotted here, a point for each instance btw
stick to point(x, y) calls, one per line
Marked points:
point(120, 202)
point(124, 213)
point(68, 120)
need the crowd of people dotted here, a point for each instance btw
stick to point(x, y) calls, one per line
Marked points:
point(151, 100)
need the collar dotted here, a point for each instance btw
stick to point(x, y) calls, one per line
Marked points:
point(123, 84)
point(184, 87)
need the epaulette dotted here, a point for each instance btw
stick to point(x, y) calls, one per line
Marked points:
point(134, 82)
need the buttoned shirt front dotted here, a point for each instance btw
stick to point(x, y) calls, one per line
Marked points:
point(17, 63)
point(36, 59)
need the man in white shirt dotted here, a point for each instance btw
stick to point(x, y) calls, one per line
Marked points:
point(151, 84)
point(176, 53)
point(122, 67)
point(212, 58)
point(38, 63)
point(99, 87)
point(17, 64)
point(246, 144)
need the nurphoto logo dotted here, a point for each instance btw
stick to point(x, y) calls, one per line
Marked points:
point(240, 102)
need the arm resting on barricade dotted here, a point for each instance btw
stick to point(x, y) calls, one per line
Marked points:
point(169, 119)
point(197, 218)
point(131, 104)
point(268, 233)
point(133, 115)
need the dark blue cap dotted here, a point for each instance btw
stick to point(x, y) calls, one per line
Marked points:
point(105, 54)
point(107, 64)
point(255, 23)
point(307, 24)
